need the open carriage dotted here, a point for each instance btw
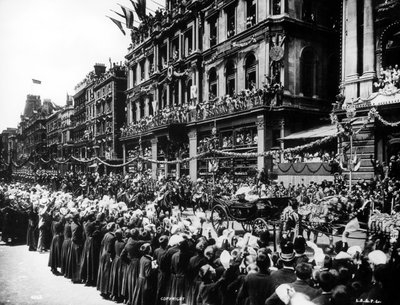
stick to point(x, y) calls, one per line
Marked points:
point(331, 217)
point(254, 216)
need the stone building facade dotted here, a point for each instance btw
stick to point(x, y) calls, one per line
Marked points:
point(255, 70)
point(99, 114)
point(370, 59)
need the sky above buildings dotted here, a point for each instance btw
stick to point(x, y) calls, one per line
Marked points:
point(56, 42)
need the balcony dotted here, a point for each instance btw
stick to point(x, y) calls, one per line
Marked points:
point(211, 109)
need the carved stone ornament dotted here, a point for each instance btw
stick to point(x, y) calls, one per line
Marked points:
point(260, 123)
point(276, 53)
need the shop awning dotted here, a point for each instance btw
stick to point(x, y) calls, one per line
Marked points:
point(314, 133)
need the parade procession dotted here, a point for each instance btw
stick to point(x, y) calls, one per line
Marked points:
point(234, 152)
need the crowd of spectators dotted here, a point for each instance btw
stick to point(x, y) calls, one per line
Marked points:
point(214, 107)
point(389, 79)
point(307, 157)
point(133, 256)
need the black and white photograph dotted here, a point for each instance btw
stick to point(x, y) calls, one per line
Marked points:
point(199, 152)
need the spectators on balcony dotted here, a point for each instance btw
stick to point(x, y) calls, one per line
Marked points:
point(214, 107)
point(389, 79)
point(307, 157)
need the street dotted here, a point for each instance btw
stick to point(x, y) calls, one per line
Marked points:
point(26, 279)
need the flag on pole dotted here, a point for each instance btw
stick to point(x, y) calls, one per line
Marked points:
point(129, 18)
point(35, 81)
point(118, 24)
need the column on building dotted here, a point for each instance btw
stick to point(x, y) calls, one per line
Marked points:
point(156, 57)
point(222, 26)
point(260, 141)
point(221, 80)
point(168, 104)
point(137, 111)
point(283, 6)
point(180, 37)
point(263, 63)
point(146, 68)
point(130, 77)
point(240, 16)
point(368, 51)
point(240, 74)
point(146, 106)
point(263, 9)
point(350, 50)
point(128, 113)
point(154, 157)
point(179, 101)
point(156, 101)
point(196, 34)
point(192, 153)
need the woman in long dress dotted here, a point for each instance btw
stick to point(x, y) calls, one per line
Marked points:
point(56, 245)
point(144, 291)
point(107, 253)
point(74, 260)
point(66, 247)
point(117, 271)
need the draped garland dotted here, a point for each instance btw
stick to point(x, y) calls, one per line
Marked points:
point(373, 113)
point(244, 44)
point(376, 114)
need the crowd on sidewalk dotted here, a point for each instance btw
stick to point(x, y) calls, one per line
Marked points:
point(136, 252)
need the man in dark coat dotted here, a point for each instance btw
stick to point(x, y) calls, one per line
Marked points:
point(327, 282)
point(165, 268)
point(286, 274)
point(257, 287)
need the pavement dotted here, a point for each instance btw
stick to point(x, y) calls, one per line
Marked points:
point(25, 278)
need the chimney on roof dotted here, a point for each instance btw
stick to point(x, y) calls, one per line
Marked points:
point(99, 69)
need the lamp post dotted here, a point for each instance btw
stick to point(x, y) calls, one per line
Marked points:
point(350, 113)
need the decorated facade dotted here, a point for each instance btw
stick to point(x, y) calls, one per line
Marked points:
point(370, 83)
point(254, 71)
point(99, 113)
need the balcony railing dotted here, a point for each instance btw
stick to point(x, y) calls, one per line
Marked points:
point(211, 109)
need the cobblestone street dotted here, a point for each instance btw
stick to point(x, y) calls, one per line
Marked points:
point(26, 279)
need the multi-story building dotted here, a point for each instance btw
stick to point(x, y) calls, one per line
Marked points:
point(66, 128)
point(254, 70)
point(370, 79)
point(99, 113)
point(53, 131)
point(109, 100)
point(7, 146)
point(79, 135)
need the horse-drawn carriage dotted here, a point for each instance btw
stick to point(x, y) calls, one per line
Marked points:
point(254, 215)
point(332, 216)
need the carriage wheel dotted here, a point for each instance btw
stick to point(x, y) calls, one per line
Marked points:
point(260, 225)
point(219, 218)
point(248, 226)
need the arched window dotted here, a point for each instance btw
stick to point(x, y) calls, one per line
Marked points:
point(308, 72)
point(230, 74)
point(250, 68)
point(212, 83)
point(391, 47)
